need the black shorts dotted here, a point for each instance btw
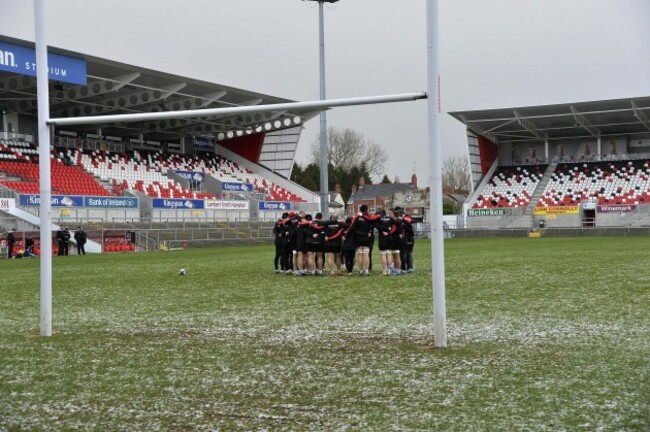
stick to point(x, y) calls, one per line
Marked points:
point(385, 242)
point(315, 247)
point(364, 243)
point(332, 248)
point(301, 247)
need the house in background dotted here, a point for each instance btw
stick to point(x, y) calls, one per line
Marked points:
point(388, 195)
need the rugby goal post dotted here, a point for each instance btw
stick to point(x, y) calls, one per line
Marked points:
point(45, 123)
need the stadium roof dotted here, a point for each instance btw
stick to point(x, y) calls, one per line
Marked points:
point(582, 120)
point(117, 88)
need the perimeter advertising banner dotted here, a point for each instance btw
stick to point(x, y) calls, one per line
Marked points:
point(236, 187)
point(55, 201)
point(111, 202)
point(7, 204)
point(197, 177)
point(177, 204)
point(226, 205)
point(274, 205)
point(616, 208)
point(22, 60)
point(488, 212)
point(80, 201)
point(569, 210)
point(203, 143)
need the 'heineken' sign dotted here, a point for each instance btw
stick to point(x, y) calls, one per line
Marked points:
point(488, 212)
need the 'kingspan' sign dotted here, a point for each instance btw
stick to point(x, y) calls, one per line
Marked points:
point(236, 187)
point(274, 205)
point(22, 60)
point(177, 204)
point(197, 177)
point(202, 143)
point(55, 201)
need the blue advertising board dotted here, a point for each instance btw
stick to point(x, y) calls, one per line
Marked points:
point(198, 177)
point(202, 143)
point(56, 201)
point(236, 187)
point(28, 200)
point(22, 60)
point(275, 205)
point(177, 204)
point(111, 202)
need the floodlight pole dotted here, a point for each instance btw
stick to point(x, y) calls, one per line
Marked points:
point(435, 175)
point(324, 154)
point(324, 159)
point(43, 97)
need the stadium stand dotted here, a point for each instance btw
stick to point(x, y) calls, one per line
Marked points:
point(75, 172)
point(510, 186)
point(605, 182)
point(20, 161)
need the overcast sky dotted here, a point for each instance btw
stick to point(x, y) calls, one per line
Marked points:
point(498, 53)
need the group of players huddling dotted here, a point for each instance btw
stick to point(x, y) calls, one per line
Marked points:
point(303, 242)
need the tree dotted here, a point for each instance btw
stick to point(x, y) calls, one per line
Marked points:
point(456, 177)
point(385, 180)
point(348, 148)
point(309, 177)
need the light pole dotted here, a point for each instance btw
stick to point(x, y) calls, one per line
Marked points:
point(324, 158)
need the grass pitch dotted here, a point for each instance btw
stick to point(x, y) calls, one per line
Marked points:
point(544, 334)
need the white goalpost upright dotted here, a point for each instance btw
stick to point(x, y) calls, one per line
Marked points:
point(434, 144)
point(45, 182)
point(434, 109)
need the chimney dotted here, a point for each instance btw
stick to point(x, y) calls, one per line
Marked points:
point(414, 181)
point(362, 182)
point(354, 189)
point(337, 189)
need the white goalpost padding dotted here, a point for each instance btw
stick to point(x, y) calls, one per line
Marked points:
point(434, 143)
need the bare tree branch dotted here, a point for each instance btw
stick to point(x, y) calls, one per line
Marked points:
point(348, 148)
point(456, 174)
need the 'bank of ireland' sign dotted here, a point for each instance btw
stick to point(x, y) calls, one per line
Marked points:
point(22, 60)
point(111, 202)
point(275, 205)
point(236, 187)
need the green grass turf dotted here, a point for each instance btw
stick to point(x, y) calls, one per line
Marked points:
point(544, 334)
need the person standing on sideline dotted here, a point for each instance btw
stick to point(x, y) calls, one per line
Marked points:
point(62, 239)
point(59, 241)
point(29, 247)
point(11, 241)
point(80, 237)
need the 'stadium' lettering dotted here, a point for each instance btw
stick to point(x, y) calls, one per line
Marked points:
point(7, 58)
point(53, 70)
